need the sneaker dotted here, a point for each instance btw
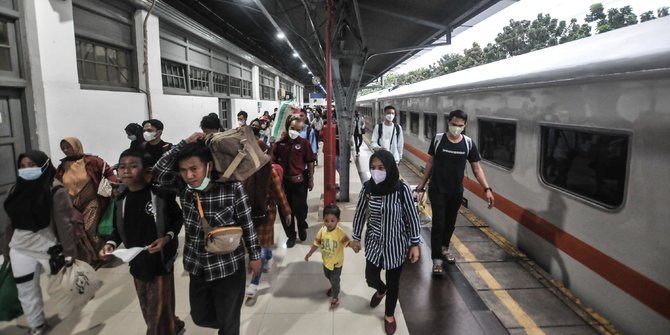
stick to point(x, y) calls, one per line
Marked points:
point(376, 299)
point(41, 330)
point(447, 256)
point(251, 290)
point(302, 233)
point(390, 326)
point(290, 243)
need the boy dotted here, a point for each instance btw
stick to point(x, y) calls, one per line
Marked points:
point(332, 240)
point(147, 217)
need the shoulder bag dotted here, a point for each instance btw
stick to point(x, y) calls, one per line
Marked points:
point(219, 240)
point(105, 186)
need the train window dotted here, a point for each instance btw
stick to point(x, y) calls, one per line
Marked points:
point(429, 125)
point(104, 43)
point(199, 79)
point(414, 123)
point(497, 141)
point(174, 75)
point(589, 163)
point(402, 119)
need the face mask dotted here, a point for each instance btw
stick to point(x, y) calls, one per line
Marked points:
point(293, 134)
point(149, 136)
point(32, 173)
point(257, 131)
point(240, 123)
point(390, 117)
point(205, 182)
point(455, 131)
point(132, 137)
point(378, 176)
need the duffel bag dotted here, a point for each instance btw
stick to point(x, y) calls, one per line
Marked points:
point(236, 153)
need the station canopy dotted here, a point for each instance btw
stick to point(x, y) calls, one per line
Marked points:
point(369, 37)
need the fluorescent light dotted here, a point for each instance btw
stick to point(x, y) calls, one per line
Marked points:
point(281, 35)
point(304, 65)
point(295, 54)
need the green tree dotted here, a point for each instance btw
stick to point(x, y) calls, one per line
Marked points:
point(646, 16)
point(663, 11)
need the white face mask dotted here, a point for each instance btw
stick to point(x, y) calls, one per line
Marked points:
point(455, 131)
point(390, 117)
point(149, 136)
point(240, 123)
point(293, 134)
point(378, 175)
point(132, 137)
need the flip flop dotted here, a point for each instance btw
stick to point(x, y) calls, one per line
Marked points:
point(334, 303)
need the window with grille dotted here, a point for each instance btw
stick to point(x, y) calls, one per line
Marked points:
point(102, 64)
point(267, 85)
point(221, 84)
point(246, 89)
point(174, 75)
point(235, 86)
point(199, 79)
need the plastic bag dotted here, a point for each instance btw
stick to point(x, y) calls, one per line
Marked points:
point(106, 223)
point(9, 297)
point(422, 208)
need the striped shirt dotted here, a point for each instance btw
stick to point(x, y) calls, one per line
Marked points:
point(226, 204)
point(393, 226)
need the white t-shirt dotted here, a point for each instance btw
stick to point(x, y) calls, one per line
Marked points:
point(387, 135)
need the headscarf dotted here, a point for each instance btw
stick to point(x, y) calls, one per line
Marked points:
point(390, 184)
point(29, 203)
point(74, 168)
point(137, 130)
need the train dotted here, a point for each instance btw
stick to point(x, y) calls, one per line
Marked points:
point(575, 141)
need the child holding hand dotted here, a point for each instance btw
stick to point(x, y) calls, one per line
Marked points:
point(332, 240)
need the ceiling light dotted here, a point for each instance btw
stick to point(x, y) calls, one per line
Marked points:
point(281, 35)
point(304, 65)
point(295, 54)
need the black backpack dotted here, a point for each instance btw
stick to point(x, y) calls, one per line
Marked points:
point(380, 130)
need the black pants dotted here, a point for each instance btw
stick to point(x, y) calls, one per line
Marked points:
point(296, 194)
point(374, 280)
point(358, 140)
point(217, 304)
point(334, 279)
point(445, 210)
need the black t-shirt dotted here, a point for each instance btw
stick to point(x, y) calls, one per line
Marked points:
point(140, 231)
point(449, 164)
point(156, 151)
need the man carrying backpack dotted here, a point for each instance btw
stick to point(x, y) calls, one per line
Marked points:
point(388, 135)
point(446, 168)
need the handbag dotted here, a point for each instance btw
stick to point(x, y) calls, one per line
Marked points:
point(105, 186)
point(9, 297)
point(219, 240)
point(73, 286)
point(106, 223)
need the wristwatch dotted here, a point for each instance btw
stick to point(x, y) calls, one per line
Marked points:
point(488, 189)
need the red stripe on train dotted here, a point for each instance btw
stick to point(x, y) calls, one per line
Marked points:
point(647, 291)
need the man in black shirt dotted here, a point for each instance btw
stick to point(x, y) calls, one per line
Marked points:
point(446, 168)
point(155, 146)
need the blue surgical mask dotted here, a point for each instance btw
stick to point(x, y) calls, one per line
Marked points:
point(205, 182)
point(32, 173)
point(378, 176)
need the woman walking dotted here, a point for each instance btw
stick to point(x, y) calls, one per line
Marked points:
point(393, 232)
point(81, 174)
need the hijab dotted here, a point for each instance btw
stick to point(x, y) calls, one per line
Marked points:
point(390, 184)
point(74, 168)
point(29, 204)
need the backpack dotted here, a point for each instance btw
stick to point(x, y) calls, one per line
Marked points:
point(380, 131)
point(468, 143)
point(236, 153)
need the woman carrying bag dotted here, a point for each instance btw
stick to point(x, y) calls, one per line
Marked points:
point(393, 231)
point(39, 211)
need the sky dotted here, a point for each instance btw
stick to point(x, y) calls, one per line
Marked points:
point(486, 31)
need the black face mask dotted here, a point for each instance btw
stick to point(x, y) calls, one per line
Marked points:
point(257, 131)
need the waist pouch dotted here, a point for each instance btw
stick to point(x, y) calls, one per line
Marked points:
point(223, 240)
point(295, 179)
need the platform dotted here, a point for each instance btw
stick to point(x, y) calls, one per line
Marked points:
point(491, 289)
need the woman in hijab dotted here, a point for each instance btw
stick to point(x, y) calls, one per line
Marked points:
point(135, 134)
point(81, 174)
point(393, 232)
point(39, 211)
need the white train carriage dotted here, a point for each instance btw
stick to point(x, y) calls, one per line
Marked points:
point(575, 141)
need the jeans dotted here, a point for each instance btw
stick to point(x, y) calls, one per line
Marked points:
point(217, 303)
point(445, 210)
point(266, 255)
point(358, 140)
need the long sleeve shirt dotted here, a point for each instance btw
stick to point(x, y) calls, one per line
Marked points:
point(225, 204)
point(393, 226)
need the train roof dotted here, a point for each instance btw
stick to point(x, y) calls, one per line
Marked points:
point(641, 47)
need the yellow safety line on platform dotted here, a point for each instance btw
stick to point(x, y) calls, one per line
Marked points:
point(517, 312)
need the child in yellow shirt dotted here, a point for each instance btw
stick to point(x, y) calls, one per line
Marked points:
point(332, 240)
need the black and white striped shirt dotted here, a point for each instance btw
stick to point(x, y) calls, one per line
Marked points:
point(393, 226)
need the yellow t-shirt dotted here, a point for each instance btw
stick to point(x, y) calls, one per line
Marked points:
point(332, 247)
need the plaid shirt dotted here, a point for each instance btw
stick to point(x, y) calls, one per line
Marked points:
point(226, 204)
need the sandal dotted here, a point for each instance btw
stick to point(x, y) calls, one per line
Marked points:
point(334, 303)
point(437, 269)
